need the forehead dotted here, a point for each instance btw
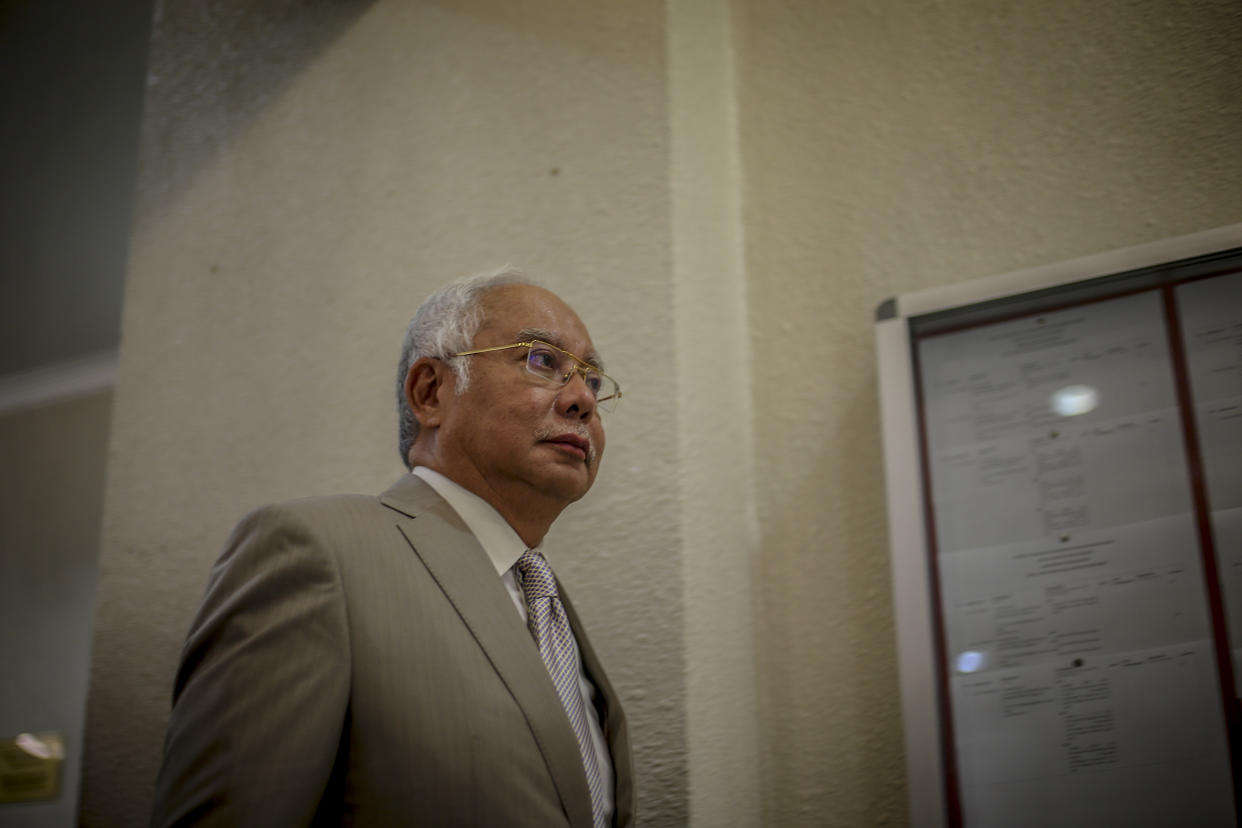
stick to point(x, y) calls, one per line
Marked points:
point(510, 309)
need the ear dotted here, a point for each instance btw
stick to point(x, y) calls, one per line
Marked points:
point(425, 384)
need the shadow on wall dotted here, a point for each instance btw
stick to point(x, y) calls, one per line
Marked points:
point(213, 68)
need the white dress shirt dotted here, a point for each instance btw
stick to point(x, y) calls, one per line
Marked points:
point(504, 547)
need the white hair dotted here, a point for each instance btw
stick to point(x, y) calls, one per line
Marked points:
point(443, 325)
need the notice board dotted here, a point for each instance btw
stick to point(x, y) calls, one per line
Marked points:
point(1063, 452)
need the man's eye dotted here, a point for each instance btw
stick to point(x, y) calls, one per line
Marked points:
point(594, 382)
point(541, 359)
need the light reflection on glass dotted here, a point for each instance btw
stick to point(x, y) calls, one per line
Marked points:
point(1073, 400)
point(970, 661)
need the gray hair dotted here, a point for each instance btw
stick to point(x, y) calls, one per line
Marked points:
point(443, 325)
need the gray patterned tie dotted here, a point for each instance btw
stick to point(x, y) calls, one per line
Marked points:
point(550, 627)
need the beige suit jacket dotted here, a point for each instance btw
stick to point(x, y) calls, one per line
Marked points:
point(357, 661)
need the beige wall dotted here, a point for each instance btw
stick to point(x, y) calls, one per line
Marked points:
point(309, 174)
point(719, 532)
point(889, 146)
point(732, 186)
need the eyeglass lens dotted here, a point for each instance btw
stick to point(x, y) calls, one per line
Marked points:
point(558, 366)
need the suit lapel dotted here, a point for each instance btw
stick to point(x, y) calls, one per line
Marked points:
point(615, 729)
point(462, 570)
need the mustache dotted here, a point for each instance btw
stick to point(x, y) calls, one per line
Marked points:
point(552, 432)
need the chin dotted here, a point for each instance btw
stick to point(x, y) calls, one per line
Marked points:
point(570, 494)
point(568, 490)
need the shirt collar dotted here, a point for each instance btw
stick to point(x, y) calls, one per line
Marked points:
point(493, 532)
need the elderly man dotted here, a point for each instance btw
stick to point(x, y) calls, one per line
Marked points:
point(409, 659)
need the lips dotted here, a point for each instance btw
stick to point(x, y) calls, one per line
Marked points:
point(572, 444)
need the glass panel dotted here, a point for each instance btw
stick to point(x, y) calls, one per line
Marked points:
point(1081, 672)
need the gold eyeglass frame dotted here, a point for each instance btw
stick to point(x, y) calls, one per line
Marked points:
point(582, 367)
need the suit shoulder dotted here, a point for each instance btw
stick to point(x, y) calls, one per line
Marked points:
point(333, 522)
point(314, 509)
point(409, 495)
point(305, 522)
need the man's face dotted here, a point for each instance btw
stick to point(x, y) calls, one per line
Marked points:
point(511, 433)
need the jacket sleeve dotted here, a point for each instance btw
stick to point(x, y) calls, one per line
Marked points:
point(261, 695)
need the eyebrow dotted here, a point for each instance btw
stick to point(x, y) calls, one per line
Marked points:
point(593, 359)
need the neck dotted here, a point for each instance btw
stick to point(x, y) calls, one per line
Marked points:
point(529, 512)
point(530, 529)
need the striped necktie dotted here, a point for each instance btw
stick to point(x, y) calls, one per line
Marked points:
point(550, 627)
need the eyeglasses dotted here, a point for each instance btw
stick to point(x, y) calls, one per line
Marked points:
point(558, 366)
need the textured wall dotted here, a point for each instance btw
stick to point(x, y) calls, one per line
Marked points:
point(894, 145)
point(310, 171)
point(719, 532)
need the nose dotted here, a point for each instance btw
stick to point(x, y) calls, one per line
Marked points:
point(575, 399)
